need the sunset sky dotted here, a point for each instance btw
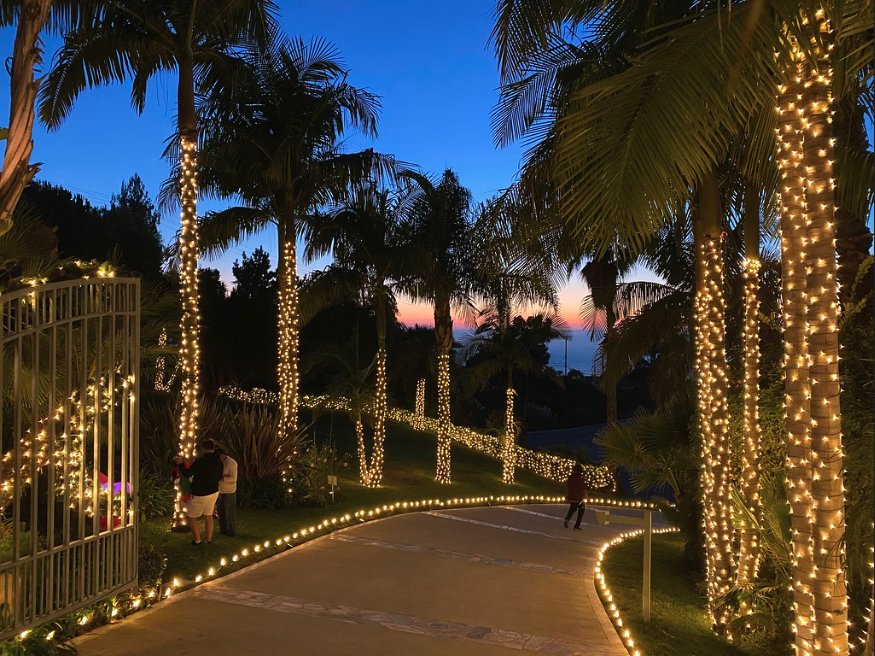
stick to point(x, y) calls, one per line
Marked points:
point(428, 62)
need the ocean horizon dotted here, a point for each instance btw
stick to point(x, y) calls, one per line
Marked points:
point(579, 354)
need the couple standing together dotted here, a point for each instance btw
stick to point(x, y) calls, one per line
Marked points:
point(213, 478)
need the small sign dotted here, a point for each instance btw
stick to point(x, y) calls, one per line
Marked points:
point(332, 479)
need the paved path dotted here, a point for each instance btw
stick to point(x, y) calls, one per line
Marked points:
point(469, 581)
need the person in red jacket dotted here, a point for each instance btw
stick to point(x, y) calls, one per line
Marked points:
point(576, 494)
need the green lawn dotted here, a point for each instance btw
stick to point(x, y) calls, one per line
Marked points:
point(408, 475)
point(678, 624)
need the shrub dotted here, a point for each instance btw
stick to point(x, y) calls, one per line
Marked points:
point(151, 564)
point(157, 496)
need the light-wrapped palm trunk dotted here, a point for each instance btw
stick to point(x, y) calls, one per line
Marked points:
point(748, 550)
point(814, 450)
point(364, 475)
point(17, 171)
point(508, 446)
point(419, 411)
point(443, 332)
point(375, 474)
point(287, 327)
point(189, 325)
point(827, 466)
point(712, 382)
point(794, 221)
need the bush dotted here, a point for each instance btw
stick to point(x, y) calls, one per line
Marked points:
point(309, 487)
point(266, 493)
point(151, 564)
point(157, 497)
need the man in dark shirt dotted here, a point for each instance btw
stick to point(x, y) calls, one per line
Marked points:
point(205, 472)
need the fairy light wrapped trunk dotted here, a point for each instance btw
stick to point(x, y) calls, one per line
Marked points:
point(189, 348)
point(419, 417)
point(443, 330)
point(830, 590)
point(748, 550)
point(287, 324)
point(508, 447)
point(712, 383)
point(810, 296)
point(375, 476)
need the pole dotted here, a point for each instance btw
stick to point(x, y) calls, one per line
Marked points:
point(645, 588)
point(566, 356)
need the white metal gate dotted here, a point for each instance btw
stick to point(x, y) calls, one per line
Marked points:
point(69, 377)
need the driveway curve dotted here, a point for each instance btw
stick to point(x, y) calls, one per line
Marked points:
point(466, 581)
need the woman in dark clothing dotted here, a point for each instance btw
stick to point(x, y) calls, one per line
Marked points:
point(575, 496)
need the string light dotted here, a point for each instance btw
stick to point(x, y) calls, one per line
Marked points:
point(442, 472)
point(713, 417)
point(287, 323)
point(508, 452)
point(810, 293)
point(748, 551)
point(419, 420)
point(546, 465)
point(380, 408)
point(162, 385)
point(189, 348)
point(607, 598)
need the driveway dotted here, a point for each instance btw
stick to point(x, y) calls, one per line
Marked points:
point(469, 581)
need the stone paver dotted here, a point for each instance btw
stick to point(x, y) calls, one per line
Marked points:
point(492, 581)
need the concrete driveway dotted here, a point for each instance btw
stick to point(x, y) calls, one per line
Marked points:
point(470, 581)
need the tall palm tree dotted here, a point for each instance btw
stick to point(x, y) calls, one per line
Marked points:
point(363, 236)
point(660, 127)
point(121, 39)
point(509, 274)
point(437, 227)
point(273, 139)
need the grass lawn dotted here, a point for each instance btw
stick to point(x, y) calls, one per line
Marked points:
point(408, 475)
point(678, 624)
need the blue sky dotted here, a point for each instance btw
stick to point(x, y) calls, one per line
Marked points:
point(429, 62)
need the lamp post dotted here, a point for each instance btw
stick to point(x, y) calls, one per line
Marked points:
point(646, 522)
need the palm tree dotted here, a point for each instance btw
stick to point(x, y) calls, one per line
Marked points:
point(17, 171)
point(362, 234)
point(437, 229)
point(127, 38)
point(273, 140)
point(661, 126)
point(350, 385)
point(501, 346)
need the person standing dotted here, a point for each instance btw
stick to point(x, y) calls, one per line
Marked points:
point(205, 473)
point(575, 496)
point(228, 494)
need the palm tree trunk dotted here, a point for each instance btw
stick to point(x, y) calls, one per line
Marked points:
point(611, 391)
point(287, 326)
point(17, 171)
point(443, 332)
point(375, 476)
point(508, 455)
point(419, 416)
point(796, 374)
point(189, 347)
point(748, 551)
point(713, 411)
point(827, 467)
point(364, 475)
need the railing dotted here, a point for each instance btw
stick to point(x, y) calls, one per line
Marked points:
point(69, 377)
